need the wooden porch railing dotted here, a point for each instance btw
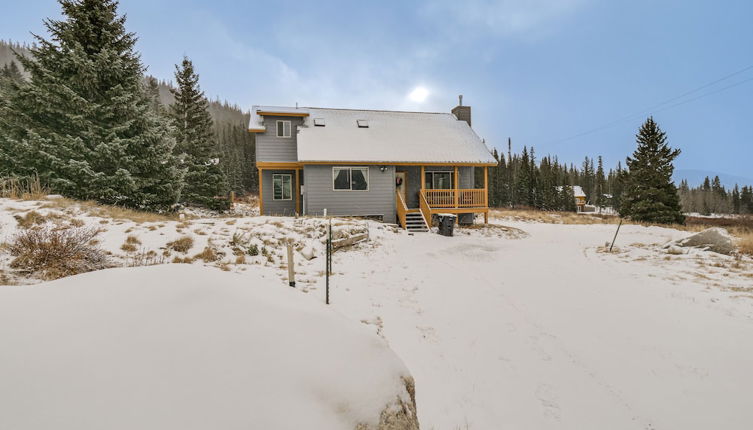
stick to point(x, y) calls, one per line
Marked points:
point(402, 209)
point(464, 198)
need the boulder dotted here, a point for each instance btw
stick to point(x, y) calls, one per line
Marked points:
point(714, 239)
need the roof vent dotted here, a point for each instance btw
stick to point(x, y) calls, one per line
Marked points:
point(319, 122)
point(362, 123)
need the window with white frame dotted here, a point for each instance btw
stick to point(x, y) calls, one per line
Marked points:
point(439, 180)
point(282, 187)
point(350, 178)
point(283, 128)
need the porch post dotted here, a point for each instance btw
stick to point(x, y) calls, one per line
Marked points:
point(261, 192)
point(457, 193)
point(486, 194)
point(486, 186)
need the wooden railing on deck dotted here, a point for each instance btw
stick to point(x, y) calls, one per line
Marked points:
point(402, 209)
point(466, 198)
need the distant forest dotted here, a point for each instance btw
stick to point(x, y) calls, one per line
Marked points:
point(236, 146)
point(519, 180)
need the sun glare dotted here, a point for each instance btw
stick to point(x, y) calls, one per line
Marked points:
point(419, 94)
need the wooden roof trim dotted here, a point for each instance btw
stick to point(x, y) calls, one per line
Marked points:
point(277, 165)
point(398, 163)
point(293, 114)
point(257, 130)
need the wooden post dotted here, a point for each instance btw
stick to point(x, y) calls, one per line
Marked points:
point(291, 266)
point(455, 184)
point(297, 191)
point(261, 192)
point(423, 178)
point(328, 262)
point(486, 187)
point(615, 235)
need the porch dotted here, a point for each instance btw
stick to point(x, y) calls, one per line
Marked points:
point(453, 190)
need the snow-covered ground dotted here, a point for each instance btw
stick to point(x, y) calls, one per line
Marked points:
point(185, 347)
point(535, 330)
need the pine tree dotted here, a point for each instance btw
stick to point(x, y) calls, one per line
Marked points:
point(83, 121)
point(650, 194)
point(736, 200)
point(599, 184)
point(195, 146)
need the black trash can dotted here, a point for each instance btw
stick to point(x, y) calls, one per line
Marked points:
point(446, 224)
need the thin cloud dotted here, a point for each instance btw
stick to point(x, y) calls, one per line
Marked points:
point(528, 18)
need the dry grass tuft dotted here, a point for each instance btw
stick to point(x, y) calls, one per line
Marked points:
point(30, 219)
point(552, 217)
point(745, 244)
point(23, 188)
point(182, 260)
point(208, 255)
point(55, 253)
point(181, 245)
point(113, 212)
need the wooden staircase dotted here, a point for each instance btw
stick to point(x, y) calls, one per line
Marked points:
point(414, 222)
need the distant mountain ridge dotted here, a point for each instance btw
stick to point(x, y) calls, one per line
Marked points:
point(222, 111)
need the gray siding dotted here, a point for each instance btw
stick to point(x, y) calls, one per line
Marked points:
point(378, 200)
point(271, 148)
point(413, 179)
point(277, 207)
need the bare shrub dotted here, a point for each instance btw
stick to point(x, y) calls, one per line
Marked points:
point(52, 253)
point(181, 245)
point(145, 258)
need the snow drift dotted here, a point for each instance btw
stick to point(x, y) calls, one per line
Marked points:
point(186, 347)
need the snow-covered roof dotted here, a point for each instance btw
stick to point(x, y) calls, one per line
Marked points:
point(390, 136)
point(386, 137)
point(256, 122)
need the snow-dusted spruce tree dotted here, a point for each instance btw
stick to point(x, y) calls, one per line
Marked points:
point(650, 195)
point(83, 121)
point(195, 145)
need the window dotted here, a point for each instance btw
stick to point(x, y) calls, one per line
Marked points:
point(362, 123)
point(439, 180)
point(350, 178)
point(283, 128)
point(319, 122)
point(282, 187)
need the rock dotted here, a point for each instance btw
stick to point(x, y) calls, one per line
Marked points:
point(714, 239)
point(308, 253)
point(675, 250)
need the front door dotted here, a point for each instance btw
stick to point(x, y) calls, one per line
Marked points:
point(400, 184)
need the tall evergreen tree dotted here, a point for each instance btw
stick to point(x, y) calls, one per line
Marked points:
point(650, 194)
point(195, 145)
point(83, 121)
point(600, 184)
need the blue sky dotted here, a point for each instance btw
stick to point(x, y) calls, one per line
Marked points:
point(539, 71)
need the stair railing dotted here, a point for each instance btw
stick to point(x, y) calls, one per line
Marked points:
point(402, 210)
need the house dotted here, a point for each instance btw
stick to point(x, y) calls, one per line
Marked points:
point(580, 197)
point(399, 167)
